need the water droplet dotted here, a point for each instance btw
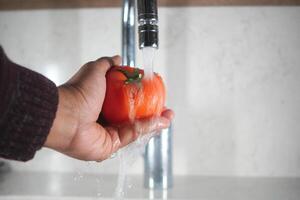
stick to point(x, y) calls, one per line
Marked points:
point(78, 176)
point(113, 155)
point(89, 163)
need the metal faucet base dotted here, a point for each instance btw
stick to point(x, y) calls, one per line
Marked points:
point(158, 172)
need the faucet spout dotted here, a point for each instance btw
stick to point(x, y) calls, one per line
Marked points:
point(147, 19)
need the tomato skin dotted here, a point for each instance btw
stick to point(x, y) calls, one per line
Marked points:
point(125, 101)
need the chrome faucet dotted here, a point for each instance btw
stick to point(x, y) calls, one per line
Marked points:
point(158, 172)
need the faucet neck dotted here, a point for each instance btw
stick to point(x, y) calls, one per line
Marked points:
point(128, 32)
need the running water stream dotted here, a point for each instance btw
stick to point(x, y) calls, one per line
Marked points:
point(148, 59)
point(128, 155)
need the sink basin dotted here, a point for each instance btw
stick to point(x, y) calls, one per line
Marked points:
point(55, 198)
point(32, 185)
point(51, 198)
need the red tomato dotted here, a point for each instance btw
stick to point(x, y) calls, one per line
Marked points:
point(130, 96)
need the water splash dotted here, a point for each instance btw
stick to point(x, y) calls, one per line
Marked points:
point(132, 93)
point(129, 154)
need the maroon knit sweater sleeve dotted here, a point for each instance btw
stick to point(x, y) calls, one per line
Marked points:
point(28, 103)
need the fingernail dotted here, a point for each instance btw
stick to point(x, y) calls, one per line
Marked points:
point(163, 123)
point(115, 139)
point(116, 143)
point(109, 59)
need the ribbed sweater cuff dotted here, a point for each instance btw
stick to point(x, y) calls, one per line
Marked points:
point(30, 107)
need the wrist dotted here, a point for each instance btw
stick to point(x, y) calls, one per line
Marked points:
point(65, 123)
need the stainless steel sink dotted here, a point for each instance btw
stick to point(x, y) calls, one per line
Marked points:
point(49, 186)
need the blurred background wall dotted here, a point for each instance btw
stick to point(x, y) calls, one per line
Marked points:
point(232, 74)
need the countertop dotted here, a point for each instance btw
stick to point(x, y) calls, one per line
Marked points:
point(41, 185)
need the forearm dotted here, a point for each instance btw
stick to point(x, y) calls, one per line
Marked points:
point(28, 103)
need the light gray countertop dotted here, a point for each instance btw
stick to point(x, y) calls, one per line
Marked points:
point(41, 185)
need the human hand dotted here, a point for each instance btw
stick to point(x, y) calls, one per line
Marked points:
point(75, 131)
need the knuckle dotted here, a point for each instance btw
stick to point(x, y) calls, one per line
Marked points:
point(105, 61)
point(90, 63)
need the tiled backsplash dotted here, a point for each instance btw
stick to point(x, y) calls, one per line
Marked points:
point(232, 75)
